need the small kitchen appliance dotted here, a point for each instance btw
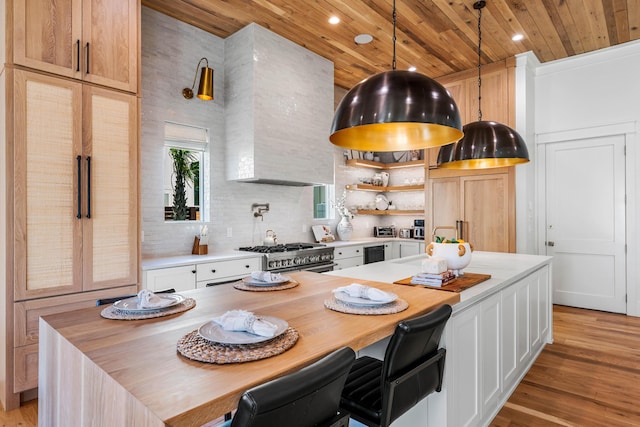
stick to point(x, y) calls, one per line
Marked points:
point(384, 231)
point(418, 229)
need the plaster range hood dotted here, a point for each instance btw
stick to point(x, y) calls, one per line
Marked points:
point(278, 111)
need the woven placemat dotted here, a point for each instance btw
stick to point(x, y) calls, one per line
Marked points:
point(244, 287)
point(393, 307)
point(111, 312)
point(194, 347)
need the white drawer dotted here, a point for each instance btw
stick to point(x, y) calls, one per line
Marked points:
point(348, 262)
point(221, 270)
point(347, 252)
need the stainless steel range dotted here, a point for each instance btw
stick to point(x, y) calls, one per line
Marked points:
point(295, 257)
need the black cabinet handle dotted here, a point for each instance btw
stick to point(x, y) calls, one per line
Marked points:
point(193, 271)
point(88, 186)
point(246, 266)
point(87, 57)
point(213, 270)
point(78, 55)
point(79, 160)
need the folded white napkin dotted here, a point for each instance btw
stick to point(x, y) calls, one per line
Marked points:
point(241, 320)
point(265, 276)
point(147, 299)
point(357, 290)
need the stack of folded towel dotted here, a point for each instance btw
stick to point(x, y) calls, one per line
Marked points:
point(357, 290)
point(245, 321)
point(433, 279)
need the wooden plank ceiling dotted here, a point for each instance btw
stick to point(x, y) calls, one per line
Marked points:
point(439, 37)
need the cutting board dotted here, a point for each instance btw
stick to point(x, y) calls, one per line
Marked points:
point(458, 284)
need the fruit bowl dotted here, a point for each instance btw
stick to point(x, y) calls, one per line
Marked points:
point(456, 253)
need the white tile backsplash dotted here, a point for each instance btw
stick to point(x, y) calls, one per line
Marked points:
point(170, 52)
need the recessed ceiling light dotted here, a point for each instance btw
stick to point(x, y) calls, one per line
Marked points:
point(412, 68)
point(517, 37)
point(334, 20)
point(363, 38)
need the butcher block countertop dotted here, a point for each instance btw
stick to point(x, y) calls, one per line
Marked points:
point(130, 373)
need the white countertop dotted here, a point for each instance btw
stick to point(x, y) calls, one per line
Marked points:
point(182, 260)
point(504, 268)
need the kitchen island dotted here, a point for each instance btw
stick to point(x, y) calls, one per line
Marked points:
point(111, 372)
point(495, 334)
point(102, 372)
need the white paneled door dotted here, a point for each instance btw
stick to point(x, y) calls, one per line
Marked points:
point(585, 221)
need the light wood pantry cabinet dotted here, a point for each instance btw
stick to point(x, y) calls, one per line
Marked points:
point(484, 201)
point(75, 187)
point(72, 232)
point(91, 40)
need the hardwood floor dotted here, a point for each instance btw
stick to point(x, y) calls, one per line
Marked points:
point(590, 376)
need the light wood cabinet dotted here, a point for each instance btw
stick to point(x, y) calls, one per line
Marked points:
point(91, 40)
point(75, 187)
point(484, 203)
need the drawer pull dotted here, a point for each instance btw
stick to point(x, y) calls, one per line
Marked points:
point(213, 270)
point(246, 266)
point(193, 271)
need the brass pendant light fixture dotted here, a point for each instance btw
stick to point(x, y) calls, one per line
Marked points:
point(205, 87)
point(396, 111)
point(486, 144)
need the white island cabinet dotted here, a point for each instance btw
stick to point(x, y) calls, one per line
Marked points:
point(495, 333)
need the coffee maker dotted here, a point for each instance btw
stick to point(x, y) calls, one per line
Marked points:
point(418, 229)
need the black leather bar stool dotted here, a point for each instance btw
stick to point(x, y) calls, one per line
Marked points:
point(309, 397)
point(377, 392)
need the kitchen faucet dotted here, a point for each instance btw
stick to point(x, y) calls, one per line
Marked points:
point(259, 208)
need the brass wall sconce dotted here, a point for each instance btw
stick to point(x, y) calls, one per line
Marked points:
point(205, 88)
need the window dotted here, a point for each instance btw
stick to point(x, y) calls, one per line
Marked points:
point(322, 197)
point(185, 172)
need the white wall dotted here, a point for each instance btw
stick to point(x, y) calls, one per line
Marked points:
point(593, 90)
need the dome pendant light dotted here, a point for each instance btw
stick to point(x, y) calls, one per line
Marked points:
point(486, 144)
point(396, 111)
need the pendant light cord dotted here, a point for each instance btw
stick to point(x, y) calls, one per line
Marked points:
point(393, 63)
point(479, 5)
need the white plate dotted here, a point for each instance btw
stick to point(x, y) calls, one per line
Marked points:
point(347, 299)
point(253, 282)
point(131, 304)
point(213, 332)
point(382, 203)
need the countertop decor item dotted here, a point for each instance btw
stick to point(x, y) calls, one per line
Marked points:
point(485, 144)
point(344, 228)
point(396, 110)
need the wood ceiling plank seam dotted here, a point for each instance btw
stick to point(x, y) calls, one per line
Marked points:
point(521, 11)
point(610, 21)
point(501, 31)
point(633, 12)
point(622, 20)
point(548, 32)
point(581, 18)
point(558, 22)
point(597, 23)
point(565, 12)
point(495, 41)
